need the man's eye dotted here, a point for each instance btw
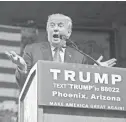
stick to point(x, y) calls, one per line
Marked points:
point(60, 24)
point(52, 25)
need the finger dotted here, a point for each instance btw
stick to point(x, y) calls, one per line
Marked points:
point(7, 53)
point(9, 56)
point(100, 58)
point(112, 64)
point(111, 61)
point(13, 53)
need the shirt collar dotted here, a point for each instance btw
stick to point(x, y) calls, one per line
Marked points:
point(52, 48)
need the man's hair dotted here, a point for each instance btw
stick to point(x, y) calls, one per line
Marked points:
point(63, 16)
point(29, 27)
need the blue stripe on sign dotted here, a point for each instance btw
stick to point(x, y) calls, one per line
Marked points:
point(10, 43)
point(4, 84)
point(7, 70)
point(3, 56)
point(2, 99)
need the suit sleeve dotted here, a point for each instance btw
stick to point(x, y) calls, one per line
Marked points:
point(85, 60)
point(21, 76)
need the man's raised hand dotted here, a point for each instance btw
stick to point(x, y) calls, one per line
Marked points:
point(16, 59)
point(108, 63)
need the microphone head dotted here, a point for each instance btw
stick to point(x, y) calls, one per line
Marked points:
point(61, 36)
point(64, 37)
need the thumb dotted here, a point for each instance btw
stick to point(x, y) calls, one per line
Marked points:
point(13, 53)
point(100, 58)
point(7, 53)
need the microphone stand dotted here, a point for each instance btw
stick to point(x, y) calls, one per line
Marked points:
point(76, 48)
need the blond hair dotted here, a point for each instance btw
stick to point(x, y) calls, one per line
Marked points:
point(62, 16)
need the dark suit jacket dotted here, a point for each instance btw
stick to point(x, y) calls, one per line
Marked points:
point(42, 51)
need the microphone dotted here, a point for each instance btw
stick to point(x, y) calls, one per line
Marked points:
point(70, 42)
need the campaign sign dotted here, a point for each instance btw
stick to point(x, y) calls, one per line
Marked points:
point(81, 86)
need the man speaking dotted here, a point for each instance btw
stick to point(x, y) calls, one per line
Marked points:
point(54, 49)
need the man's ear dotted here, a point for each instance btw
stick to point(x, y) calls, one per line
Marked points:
point(69, 29)
point(69, 33)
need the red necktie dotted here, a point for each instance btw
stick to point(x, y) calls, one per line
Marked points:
point(57, 56)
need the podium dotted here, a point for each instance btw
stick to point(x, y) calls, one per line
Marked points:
point(72, 92)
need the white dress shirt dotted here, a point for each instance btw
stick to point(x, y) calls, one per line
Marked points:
point(62, 53)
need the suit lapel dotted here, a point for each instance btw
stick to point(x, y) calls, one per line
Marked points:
point(46, 51)
point(69, 55)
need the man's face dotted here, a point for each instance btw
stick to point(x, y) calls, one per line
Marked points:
point(28, 33)
point(56, 27)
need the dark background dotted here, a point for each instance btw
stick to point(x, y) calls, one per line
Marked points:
point(87, 13)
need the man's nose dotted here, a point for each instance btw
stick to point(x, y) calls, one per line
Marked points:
point(56, 29)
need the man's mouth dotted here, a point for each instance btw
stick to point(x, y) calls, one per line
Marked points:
point(56, 36)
